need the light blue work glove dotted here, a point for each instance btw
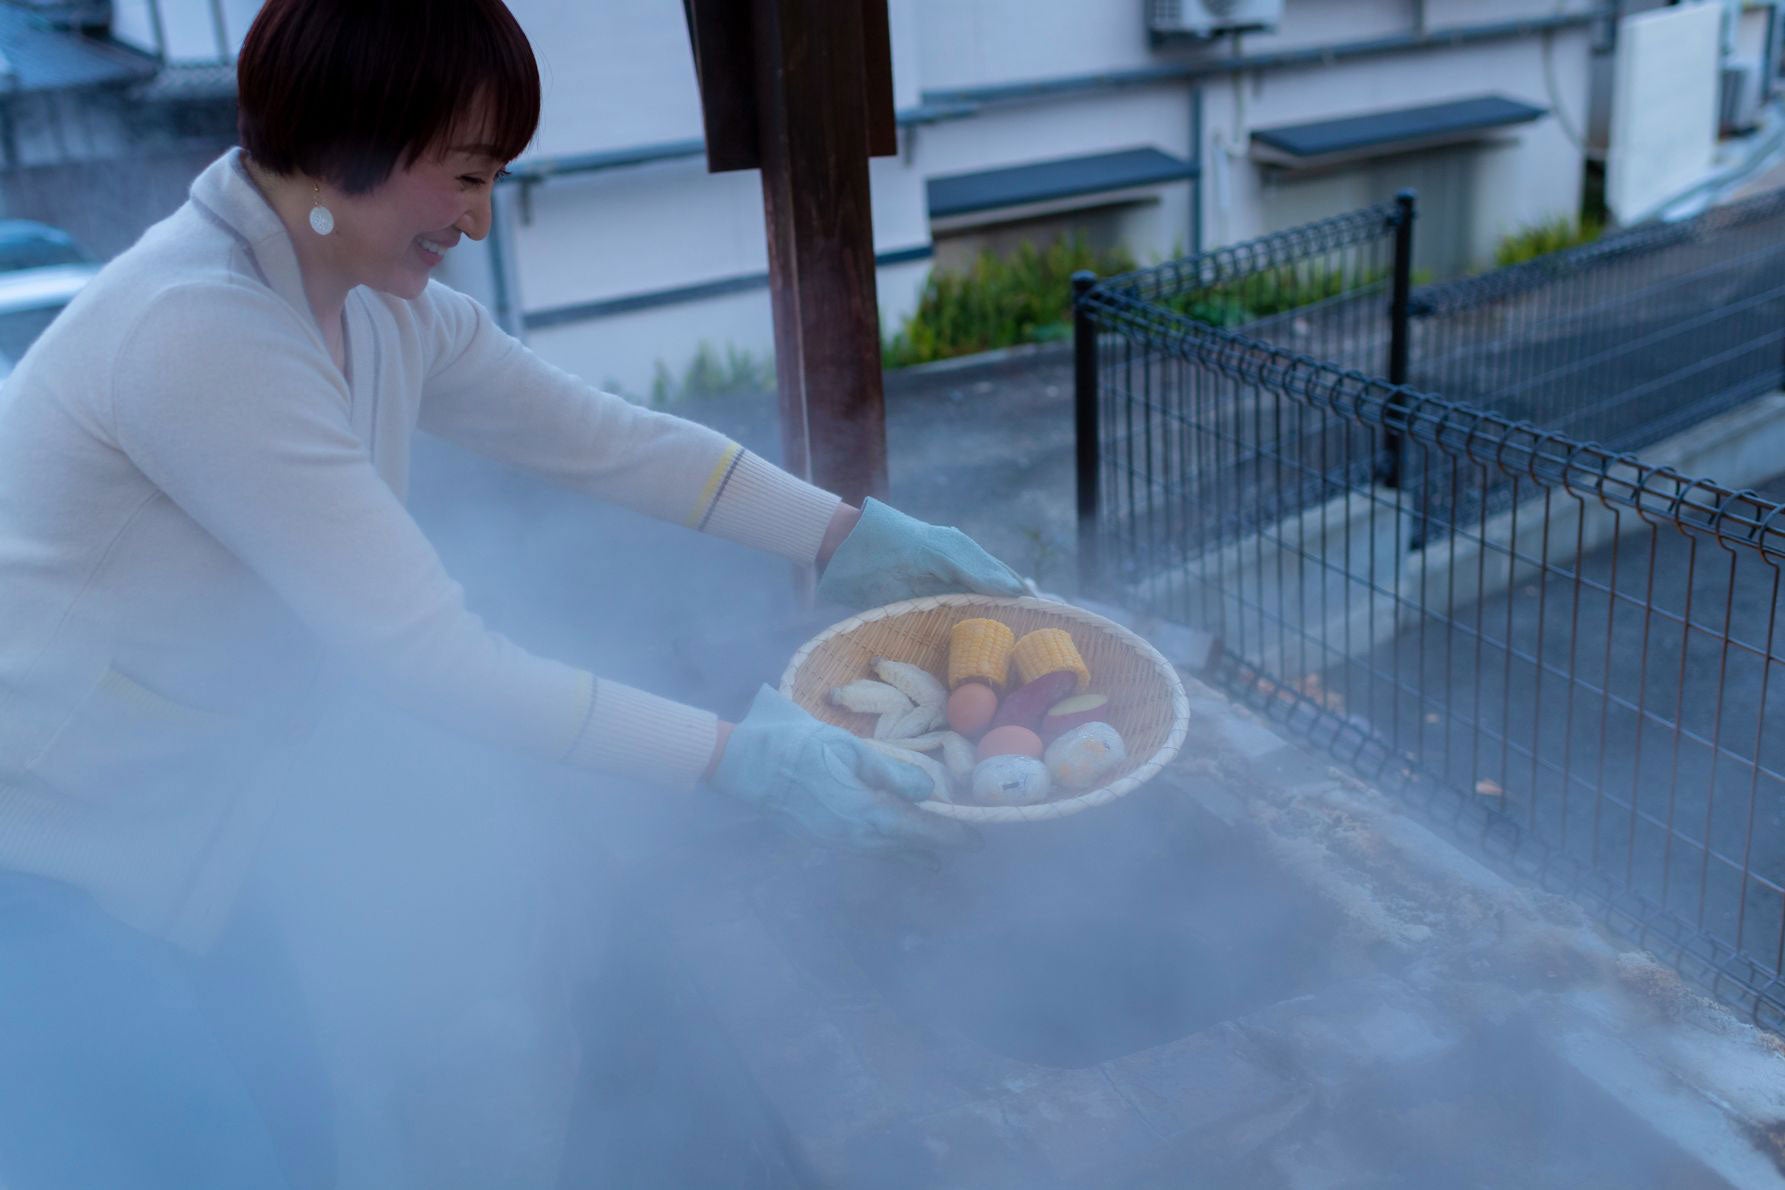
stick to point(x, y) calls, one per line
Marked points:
point(828, 785)
point(889, 556)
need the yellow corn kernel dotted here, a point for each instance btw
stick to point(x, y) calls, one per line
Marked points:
point(979, 650)
point(1046, 651)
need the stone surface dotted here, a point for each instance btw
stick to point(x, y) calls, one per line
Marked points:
point(1444, 980)
point(1284, 970)
point(1219, 1080)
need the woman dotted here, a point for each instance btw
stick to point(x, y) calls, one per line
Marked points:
point(202, 469)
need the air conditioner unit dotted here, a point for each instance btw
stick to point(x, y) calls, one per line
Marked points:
point(1739, 106)
point(1208, 18)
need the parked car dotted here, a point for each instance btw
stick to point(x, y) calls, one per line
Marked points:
point(26, 244)
point(41, 269)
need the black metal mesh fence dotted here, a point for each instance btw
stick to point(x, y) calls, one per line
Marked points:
point(1194, 463)
point(1624, 341)
point(1562, 649)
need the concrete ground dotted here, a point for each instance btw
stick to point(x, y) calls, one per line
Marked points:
point(1584, 751)
point(990, 447)
point(442, 890)
point(1770, 171)
point(1555, 698)
point(1254, 973)
point(1465, 706)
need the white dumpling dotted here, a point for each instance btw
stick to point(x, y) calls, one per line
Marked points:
point(1010, 781)
point(1085, 755)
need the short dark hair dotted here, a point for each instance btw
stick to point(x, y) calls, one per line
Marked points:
point(345, 89)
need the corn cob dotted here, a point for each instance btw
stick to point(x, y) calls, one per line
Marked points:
point(979, 651)
point(1046, 651)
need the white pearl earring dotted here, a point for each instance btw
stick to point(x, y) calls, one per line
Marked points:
point(322, 220)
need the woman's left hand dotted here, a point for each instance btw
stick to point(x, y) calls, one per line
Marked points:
point(889, 556)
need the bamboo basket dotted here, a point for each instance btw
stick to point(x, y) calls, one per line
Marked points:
point(1147, 703)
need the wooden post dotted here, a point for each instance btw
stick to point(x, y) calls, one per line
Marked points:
point(803, 89)
point(814, 136)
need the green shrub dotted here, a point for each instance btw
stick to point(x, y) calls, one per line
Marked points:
point(712, 374)
point(1273, 291)
point(1025, 297)
point(1541, 239)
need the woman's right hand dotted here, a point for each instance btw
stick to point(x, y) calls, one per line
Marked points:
point(827, 784)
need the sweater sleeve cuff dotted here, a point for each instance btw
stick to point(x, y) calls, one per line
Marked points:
point(634, 734)
point(764, 507)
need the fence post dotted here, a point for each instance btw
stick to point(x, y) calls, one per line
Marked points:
point(1084, 371)
point(1400, 313)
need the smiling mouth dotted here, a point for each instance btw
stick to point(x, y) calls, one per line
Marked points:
point(433, 247)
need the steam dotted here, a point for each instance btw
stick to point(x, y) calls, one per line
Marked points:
point(514, 966)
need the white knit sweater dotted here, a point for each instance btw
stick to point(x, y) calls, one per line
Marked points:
point(197, 506)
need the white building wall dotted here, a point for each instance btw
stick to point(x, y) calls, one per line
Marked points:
point(652, 227)
point(619, 352)
point(1664, 107)
point(669, 225)
point(1443, 14)
point(613, 75)
point(1019, 134)
point(906, 26)
point(134, 24)
point(1318, 22)
point(620, 76)
point(191, 28)
point(1523, 175)
point(1751, 45)
point(970, 44)
point(617, 75)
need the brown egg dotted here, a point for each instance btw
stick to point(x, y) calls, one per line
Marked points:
point(1010, 740)
point(971, 707)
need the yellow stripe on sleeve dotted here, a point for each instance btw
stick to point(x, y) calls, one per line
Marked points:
point(710, 492)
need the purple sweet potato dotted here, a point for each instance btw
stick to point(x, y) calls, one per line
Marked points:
point(1026, 706)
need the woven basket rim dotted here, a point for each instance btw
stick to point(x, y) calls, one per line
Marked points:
point(1162, 756)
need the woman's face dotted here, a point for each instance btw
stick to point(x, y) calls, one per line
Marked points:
point(392, 238)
